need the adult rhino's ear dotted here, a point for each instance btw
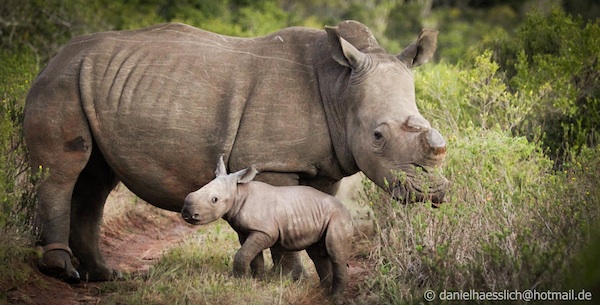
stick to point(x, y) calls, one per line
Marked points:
point(246, 175)
point(221, 169)
point(422, 50)
point(344, 52)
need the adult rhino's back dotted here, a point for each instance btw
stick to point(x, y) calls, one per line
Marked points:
point(162, 102)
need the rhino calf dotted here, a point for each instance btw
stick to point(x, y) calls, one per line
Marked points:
point(291, 218)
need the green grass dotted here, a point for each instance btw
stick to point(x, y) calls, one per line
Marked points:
point(199, 271)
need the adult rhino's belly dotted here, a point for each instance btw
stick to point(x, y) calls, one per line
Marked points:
point(161, 182)
point(158, 162)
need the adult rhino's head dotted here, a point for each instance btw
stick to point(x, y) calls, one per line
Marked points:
point(390, 141)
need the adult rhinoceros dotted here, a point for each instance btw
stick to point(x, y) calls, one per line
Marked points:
point(155, 107)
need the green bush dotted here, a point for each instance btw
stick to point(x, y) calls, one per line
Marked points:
point(16, 182)
point(476, 96)
point(461, 28)
point(510, 223)
point(557, 56)
point(16, 73)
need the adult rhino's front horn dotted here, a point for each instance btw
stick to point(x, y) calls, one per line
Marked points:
point(434, 145)
point(427, 181)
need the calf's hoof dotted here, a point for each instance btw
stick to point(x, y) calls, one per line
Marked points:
point(57, 263)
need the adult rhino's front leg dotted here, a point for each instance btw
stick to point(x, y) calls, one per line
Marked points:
point(287, 262)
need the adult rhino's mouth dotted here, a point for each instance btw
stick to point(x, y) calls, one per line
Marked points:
point(420, 184)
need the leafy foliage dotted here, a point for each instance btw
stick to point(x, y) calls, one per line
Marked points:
point(16, 182)
point(556, 57)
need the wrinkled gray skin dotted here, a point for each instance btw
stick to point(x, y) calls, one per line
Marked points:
point(155, 107)
point(290, 218)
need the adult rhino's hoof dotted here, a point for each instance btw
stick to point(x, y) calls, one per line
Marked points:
point(57, 263)
point(104, 274)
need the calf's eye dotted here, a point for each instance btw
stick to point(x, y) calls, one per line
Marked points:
point(377, 135)
point(215, 199)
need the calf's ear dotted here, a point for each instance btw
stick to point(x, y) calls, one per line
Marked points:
point(246, 175)
point(221, 169)
point(344, 52)
point(421, 51)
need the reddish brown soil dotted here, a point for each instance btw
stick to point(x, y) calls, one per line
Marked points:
point(131, 243)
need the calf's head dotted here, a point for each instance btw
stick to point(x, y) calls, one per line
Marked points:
point(215, 199)
point(389, 140)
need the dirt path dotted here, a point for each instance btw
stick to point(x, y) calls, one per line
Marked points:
point(134, 236)
point(130, 243)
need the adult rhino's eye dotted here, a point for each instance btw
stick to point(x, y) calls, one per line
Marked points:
point(215, 199)
point(377, 135)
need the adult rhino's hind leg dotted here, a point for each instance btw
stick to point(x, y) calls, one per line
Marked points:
point(91, 190)
point(59, 141)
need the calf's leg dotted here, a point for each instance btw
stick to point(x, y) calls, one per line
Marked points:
point(320, 258)
point(252, 246)
point(257, 265)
